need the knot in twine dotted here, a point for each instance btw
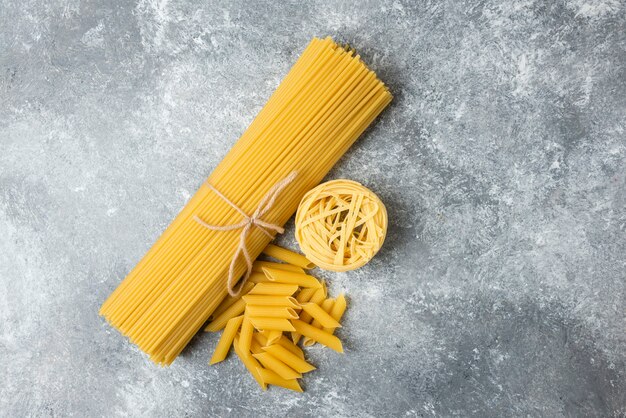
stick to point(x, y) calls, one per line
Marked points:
point(246, 226)
point(341, 225)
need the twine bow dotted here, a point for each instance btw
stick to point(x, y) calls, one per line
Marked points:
point(246, 226)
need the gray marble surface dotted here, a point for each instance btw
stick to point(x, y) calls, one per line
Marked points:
point(500, 290)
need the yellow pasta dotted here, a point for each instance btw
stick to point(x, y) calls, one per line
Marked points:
point(317, 313)
point(289, 345)
point(235, 309)
point(260, 337)
point(272, 324)
point(270, 378)
point(287, 256)
point(251, 364)
point(245, 336)
point(257, 266)
point(324, 103)
point(300, 279)
point(276, 289)
point(290, 359)
point(271, 311)
point(226, 340)
point(273, 336)
point(258, 277)
point(317, 298)
point(327, 306)
point(322, 337)
point(270, 362)
point(339, 307)
point(306, 294)
point(230, 300)
point(271, 300)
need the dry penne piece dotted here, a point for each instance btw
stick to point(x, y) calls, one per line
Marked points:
point(257, 266)
point(273, 336)
point(289, 345)
point(270, 362)
point(276, 289)
point(255, 347)
point(272, 324)
point(226, 340)
point(234, 310)
point(251, 364)
point(260, 337)
point(290, 277)
point(290, 359)
point(287, 256)
point(317, 313)
point(306, 294)
point(271, 311)
point(268, 377)
point(327, 306)
point(245, 336)
point(337, 311)
point(318, 297)
point(259, 277)
point(229, 300)
point(268, 300)
point(318, 335)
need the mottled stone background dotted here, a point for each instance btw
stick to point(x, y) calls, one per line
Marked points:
point(500, 290)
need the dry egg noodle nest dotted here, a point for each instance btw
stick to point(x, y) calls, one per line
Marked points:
point(341, 225)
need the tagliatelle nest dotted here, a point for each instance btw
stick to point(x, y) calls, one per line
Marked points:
point(341, 225)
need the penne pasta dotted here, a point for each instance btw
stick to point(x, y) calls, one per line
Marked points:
point(259, 277)
point(245, 336)
point(317, 298)
point(234, 310)
point(226, 340)
point(275, 289)
point(290, 277)
point(229, 300)
point(274, 336)
point(287, 256)
point(319, 314)
point(268, 377)
point(271, 311)
point(270, 362)
point(306, 294)
point(257, 266)
point(290, 359)
point(255, 347)
point(260, 337)
point(272, 324)
point(337, 311)
point(270, 301)
point(327, 306)
point(322, 337)
point(289, 345)
point(251, 364)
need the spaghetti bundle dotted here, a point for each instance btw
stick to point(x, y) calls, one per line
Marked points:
point(324, 103)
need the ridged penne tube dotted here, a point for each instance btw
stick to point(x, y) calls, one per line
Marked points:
point(271, 311)
point(226, 340)
point(289, 345)
point(289, 358)
point(273, 336)
point(260, 337)
point(305, 295)
point(320, 315)
point(275, 289)
point(245, 336)
point(339, 307)
point(234, 310)
point(318, 297)
point(327, 306)
point(272, 324)
point(257, 266)
point(291, 277)
point(270, 362)
point(258, 277)
point(270, 378)
point(270, 301)
point(251, 364)
point(255, 347)
point(287, 256)
point(318, 335)
point(230, 300)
